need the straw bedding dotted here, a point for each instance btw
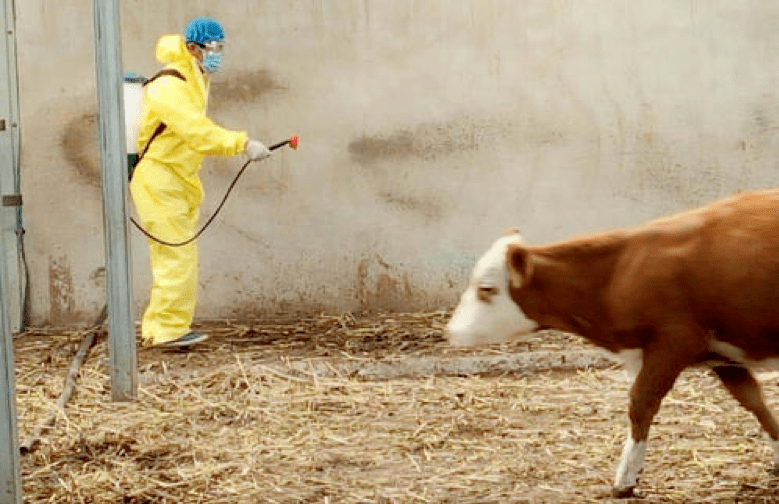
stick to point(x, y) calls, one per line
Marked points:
point(251, 417)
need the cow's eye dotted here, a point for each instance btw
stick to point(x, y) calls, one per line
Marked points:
point(487, 292)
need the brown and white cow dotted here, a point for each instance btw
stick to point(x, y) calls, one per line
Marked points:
point(700, 287)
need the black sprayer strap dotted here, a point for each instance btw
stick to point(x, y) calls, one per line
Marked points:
point(157, 132)
point(160, 127)
point(165, 71)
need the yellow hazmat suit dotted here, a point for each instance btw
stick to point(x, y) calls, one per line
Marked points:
point(166, 186)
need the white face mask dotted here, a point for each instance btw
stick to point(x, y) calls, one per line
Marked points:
point(212, 61)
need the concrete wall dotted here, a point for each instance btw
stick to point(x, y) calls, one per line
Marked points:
point(426, 128)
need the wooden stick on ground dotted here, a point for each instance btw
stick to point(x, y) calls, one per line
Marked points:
point(70, 383)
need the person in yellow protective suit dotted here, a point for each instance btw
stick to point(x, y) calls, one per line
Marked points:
point(165, 184)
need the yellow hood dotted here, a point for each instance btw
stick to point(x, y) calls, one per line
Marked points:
point(172, 49)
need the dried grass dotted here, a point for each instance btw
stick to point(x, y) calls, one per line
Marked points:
point(235, 422)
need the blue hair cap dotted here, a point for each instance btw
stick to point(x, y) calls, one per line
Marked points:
point(204, 29)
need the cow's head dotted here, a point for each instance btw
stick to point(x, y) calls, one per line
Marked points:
point(487, 313)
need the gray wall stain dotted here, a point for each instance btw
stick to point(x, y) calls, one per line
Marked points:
point(80, 149)
point(62, 302)
point(243, 88)
point(426, 141)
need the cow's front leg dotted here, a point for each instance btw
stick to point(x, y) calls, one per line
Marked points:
point(652, 383)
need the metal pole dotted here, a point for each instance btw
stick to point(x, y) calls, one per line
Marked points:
point(10, 475)
point(11, 211)
point(10, 479)
point(121, 330)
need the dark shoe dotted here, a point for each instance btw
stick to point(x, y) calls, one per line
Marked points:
point(187, 340)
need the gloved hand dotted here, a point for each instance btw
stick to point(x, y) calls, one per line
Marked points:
point(256, 150)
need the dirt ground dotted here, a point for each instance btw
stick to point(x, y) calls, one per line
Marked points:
point(275, 411)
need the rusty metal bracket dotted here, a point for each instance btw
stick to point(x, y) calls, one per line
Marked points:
point(12, 200)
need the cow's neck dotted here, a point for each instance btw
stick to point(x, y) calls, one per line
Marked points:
point(568, 284)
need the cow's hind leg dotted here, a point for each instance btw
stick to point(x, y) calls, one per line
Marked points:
point(742, 385)
point(656, 377)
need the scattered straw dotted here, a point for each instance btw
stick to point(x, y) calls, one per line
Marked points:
point(240, 420)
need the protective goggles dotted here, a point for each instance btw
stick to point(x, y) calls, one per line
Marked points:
point(212, 46)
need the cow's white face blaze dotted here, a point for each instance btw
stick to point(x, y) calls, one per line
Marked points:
point(486, 312)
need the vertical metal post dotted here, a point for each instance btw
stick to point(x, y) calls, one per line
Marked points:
point(10, 479)
point(121, 329)
point(10, 190)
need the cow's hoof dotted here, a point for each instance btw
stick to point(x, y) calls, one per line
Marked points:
point(623, 492)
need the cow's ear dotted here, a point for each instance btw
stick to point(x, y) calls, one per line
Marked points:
point(520, 265)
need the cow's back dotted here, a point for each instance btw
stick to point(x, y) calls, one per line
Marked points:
point(716, 266)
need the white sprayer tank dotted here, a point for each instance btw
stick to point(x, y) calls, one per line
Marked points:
point(133, 110)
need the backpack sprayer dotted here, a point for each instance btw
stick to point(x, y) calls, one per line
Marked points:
point(133, 113)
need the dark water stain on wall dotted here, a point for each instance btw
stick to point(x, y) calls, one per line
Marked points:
point(396, 145)
point(243, 87)
point(80, 149)
point(425, 141)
